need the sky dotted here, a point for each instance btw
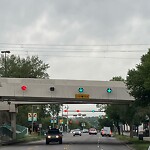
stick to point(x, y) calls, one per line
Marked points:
point(79, 39)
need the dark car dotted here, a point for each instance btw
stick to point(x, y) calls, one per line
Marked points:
point(77, 132)
point(53, 135)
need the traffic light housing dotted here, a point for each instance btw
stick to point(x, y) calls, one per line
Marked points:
point(109, 90)
point(65, 110)
point(81, 90)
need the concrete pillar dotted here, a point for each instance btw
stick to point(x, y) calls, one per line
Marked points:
point(13, 125)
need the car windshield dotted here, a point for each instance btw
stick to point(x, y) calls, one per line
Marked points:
point(77, 130)
point(53, 132)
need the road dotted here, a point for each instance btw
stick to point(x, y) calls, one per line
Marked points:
point(84, 142)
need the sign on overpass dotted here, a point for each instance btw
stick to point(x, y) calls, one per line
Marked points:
point(63, 91)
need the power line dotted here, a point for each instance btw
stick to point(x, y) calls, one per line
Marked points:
point(122, 44)
point(76, 50)
point(104, 57)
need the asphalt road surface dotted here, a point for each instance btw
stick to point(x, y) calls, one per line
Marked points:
point(84, 142)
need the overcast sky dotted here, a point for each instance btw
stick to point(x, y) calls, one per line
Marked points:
point(79, 39)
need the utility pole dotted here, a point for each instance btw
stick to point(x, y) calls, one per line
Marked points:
point(5, 61)
point(67, 107)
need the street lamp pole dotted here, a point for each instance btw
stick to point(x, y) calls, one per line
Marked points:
point(5, 61)
point(32, 118)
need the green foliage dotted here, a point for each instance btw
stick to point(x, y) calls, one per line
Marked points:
point(105, 122)
point(138, 81)
point(117, 78)
point(53, 109)
point(29, 67)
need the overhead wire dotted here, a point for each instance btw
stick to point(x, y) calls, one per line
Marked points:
point(55, 48)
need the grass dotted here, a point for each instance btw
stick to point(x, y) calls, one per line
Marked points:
point(134, 142)
point(31, 138)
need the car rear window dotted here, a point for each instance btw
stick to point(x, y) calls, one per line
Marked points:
point(92, 129)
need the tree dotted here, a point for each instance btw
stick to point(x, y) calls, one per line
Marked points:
point(117, 78)
point(29, 67)
point(138, 82)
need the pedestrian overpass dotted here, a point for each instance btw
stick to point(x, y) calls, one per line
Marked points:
point(63, 91)
point(14, 91)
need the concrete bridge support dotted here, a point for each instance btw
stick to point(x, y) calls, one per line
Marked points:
point(12, 109)
point(13, 125)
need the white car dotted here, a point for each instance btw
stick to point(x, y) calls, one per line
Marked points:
point(92, 131)
point(77, 132)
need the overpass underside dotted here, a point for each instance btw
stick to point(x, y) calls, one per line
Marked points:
point(43, 100)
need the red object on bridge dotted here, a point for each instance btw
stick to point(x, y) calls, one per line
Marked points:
point(65, 110)
point(24, 87)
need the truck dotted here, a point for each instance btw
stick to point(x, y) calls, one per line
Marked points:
point(106, 131)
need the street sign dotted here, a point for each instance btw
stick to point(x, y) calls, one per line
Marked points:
point(53, 121)
point(29, 116)
point(82, 96)
point(34, 116)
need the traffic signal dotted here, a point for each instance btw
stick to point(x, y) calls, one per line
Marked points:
point(65, 110)
point(81, 90)
point(61, 121)
point(24, 87)
point(77, 110)
point(109, 90)
point(93, 110)
point(52, 88)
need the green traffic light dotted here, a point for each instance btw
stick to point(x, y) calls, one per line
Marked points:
point(109, 90)
point(80, 89)
point(93, 110)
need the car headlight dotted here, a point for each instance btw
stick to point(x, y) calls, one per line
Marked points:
point(57, 136)
point(73, 132)
point(49, 136)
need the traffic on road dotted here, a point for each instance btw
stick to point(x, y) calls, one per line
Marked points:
point(84, 142)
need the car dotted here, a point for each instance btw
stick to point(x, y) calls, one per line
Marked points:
point(77, 132)
point(85, 131)
point(106, 131)
point(92, 131)
point(54, 135)
point(71, 131)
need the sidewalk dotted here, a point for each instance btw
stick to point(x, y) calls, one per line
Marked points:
point(144, 138)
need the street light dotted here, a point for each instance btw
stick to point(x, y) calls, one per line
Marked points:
point(5, 60)
point(37, 107)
